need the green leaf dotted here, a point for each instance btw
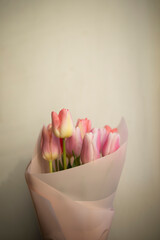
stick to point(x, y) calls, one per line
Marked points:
point(60, 166)
point(69, 165)
point(74, 165)
point(74, 155)
point(56, 165)
point(76, 162)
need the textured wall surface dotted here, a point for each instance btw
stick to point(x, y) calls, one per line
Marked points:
point(101, 60)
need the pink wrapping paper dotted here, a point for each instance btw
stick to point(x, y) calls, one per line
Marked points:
point(76, 204)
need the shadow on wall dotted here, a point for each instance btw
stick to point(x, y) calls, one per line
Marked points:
point(17, 218)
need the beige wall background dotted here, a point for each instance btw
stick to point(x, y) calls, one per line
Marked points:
point(101, 60)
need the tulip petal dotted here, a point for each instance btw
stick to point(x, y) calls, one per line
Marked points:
point(74, 143)
point(55, 147)
point(103, 136)
point(87, 153)
point(111, 144)
point(109, 129)
point(97, 143)
point(46, 153)
point(55, 123)
point(62, 124)
point(84, 125)
point(66, 123)
point(115, 142)
point(50, 144)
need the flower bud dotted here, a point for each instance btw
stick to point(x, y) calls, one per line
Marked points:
point(84, 125)
point(62, 124)
point(112, 144)
point(74, 143)
point(50, 144)
point(90, 147)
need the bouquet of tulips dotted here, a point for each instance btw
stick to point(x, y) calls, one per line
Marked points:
point(73, 177)
point(82, 143)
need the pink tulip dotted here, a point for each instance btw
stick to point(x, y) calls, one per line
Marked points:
point(111, 144)
point(62, 124)
point(109, 129)
point(50, 144)
point(84, 125)
point(74, 143)
point(90, 147)
point(103, 136)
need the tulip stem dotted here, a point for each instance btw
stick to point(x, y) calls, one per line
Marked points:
point(56, 165)
point(64, 154)
point(50, 166)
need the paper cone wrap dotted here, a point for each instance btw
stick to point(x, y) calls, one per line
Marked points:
point(77, 203)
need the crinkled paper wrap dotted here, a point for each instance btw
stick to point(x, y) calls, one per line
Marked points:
point(76, 204)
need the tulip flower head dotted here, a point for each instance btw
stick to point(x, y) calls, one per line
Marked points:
point(103, 136)
point(109, 129)
point(111, 144)
point(74, 143)
point(62, 124)
point(90, 147)
point(50, 144)
point(84, 125)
